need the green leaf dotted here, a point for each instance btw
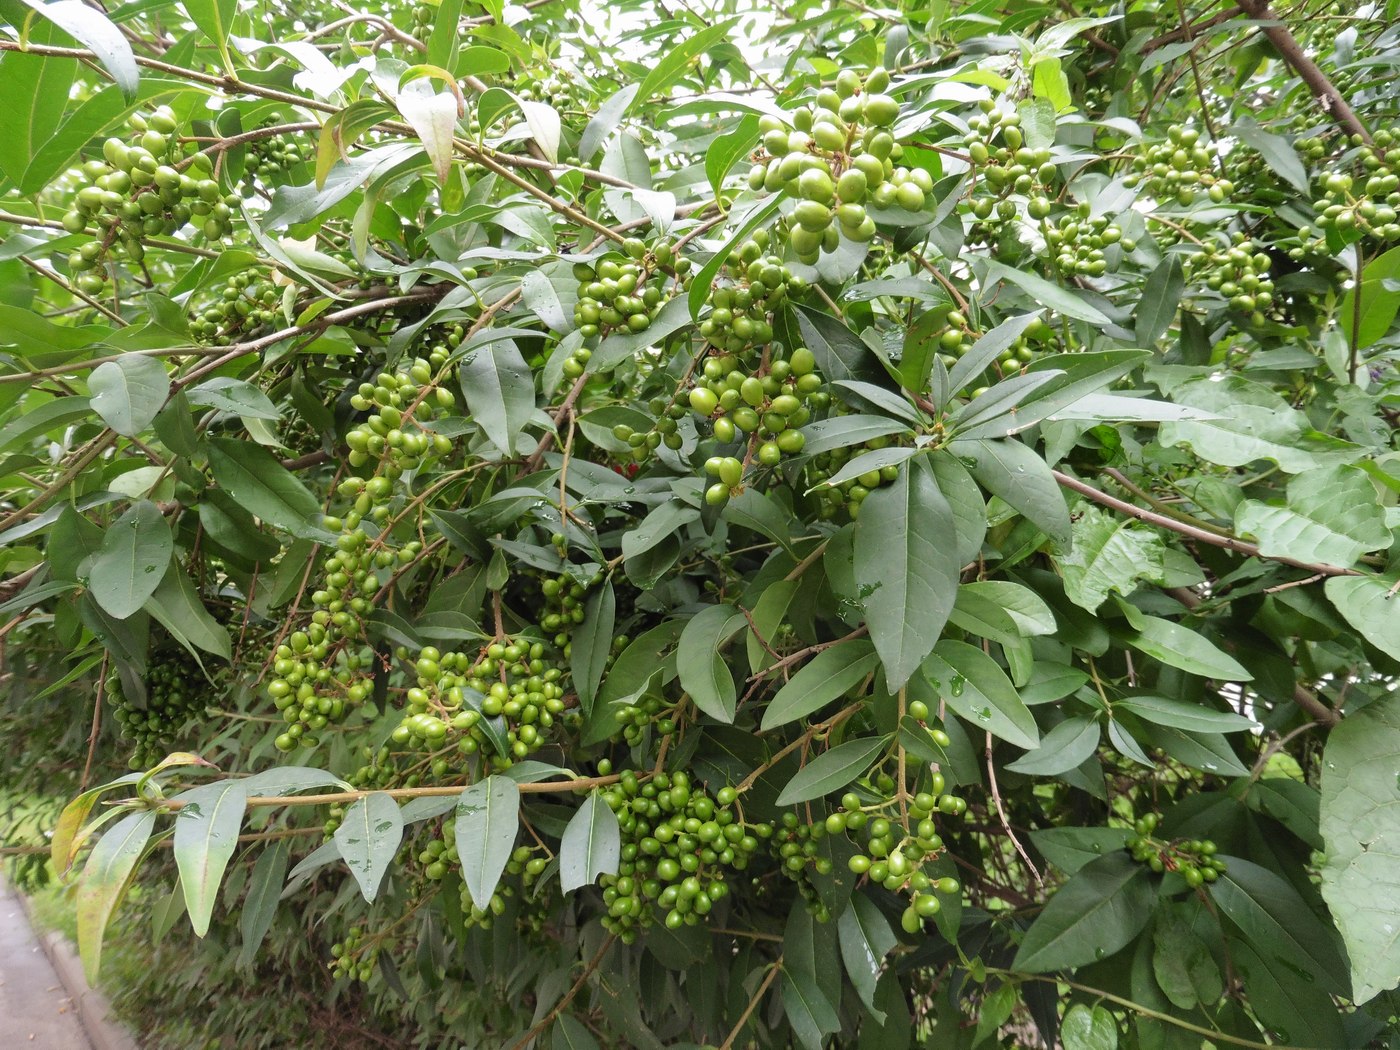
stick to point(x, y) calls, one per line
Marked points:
point(865, 939)
point(177, 605)
point(1208, 752)
point(500, 391)
point(1332, 517)
point(829, 674)
point(907, 580)
point(233, 395)
point(1161, 298)
point(1360, 823)
point(1277, 152)
point(591, 845)
point(726, 150)
point(128, 392)
point(1183, 965)
point(1268, 911)
point(260, 906)
point(832, 769)
point(1065, 747)
point(1088, 1028)
point(676, 60)
point(368, 838)
point(1195, 718)
point(1023, 479)
point(266, 489)
point(1109, 554)
point(1179, 646)
point(133, 559)
point(94, 31)
point(811, 1014)
point(1095, 914)
point(571, 1034)
point(845, 431)
point(1026, 609)
point(485, 826)
point(701, 664)
point(972, 684)
point(1061, 300)
point(1369, 320)
point(1292, 1006)
point(699, 293)
point(592, 643)
point(607, 119)
point(1251, 422)
point(1368, 604)
point(625, 345)
point(1069, 849)
point(36, 91)
point(49, 417)
point(206, 835)
point(215, 20)
point(104, 882)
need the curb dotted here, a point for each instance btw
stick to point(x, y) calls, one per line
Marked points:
point(104, 1031)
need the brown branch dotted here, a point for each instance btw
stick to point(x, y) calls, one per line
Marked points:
point(773, 971)
point(559, 1007)
point(1191, 31)
point(1326, 93)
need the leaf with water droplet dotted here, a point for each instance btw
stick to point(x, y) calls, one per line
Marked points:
point(368, 838)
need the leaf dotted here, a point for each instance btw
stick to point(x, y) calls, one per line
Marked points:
point(1023, 606)
point(1065, 747)
point(1368, 604)
point(37, 92)
point(1183, 715)
point(822, 679)
point(1278, 154)
point(1370, 319)
point(1061, 300)
point(1023, 479)
point(1182, 964)
point(908, 582)
point(500, 391)
point(1268, 911)
point(1095, 914)
point(1179, 646)
point(592, 643)
point(104, 882)
point(809, 1011)
point(134, 557)
point(832, 769)
point(699, 293)
point(676, 60)
point(1161, 298)
point(215, 20)
point(233, 395)
point(1069, 849)
point(1109, 554)
point(591, 845)
point(865, 938)
point(1332, 517)
point(1251, 422)
point(94, 31)
point(485, 826)
point(607, 119)
point(128, 392)
point(1360, 824)
point(1209, 752)
point(988, 347)
point(206, 835)
point(1088, 1028)
point(701, 664)
point(1292, 1006)
point(70, 829)
point(260, 906)
point(177, 605)
point(266, 489)
point(845, 431)
point(728, 149)
point(368, 838)
point(571, 1034)
point(625, 345)
point(543, 121)
point(972, 684)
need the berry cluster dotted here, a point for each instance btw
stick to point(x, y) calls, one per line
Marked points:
point(1193, 859)
point(838, 160)
point(665, 429)
point(997, 148)
point(354, 960)
point(1371, 206)
point(314, 689)
point(402, 402)
point(1239, 273)
point(1178, 169)
point(501, 702)
point(850, 493)
point(752, 285)
point(268, 158)
point(176, 692)
point(247, 303)
point(677, 842)
point(798, 847)
point(1079, 241)
point(139, 191)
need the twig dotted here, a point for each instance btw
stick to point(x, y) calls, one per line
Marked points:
point(773, 969)
point(1001, 814)
point(559, 1007)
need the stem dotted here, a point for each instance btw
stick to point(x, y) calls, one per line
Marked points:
point(773, 969)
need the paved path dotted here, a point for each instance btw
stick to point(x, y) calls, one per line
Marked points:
point(35, 1010)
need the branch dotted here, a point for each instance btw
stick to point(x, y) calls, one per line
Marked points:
point(1326, 93)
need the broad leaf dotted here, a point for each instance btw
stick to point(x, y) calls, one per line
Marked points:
point(701, 663)
point(105, 879)
point(128, 392)
point(1103, 907)
point(486, 823)
point(829, 674)
point(206, 836)
point(831, 770)
point(133, 560)
point(591, 845)
point(368, 838)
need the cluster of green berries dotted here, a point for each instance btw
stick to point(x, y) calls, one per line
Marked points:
point(353, 959)
point(1080, 242)
point(665, 429)
point(837, 159)
point(500, 703)
point(176, 692)
point(950, 328)
point(1178, 169)
point(1372, 206)
point(1239, 273)
point(648, 711)
point(560, 87)
point(754, 284)
point(615, 294)
point(896, 849)
point(997, 148)
point(138, 190)
point(247, 302)
point(401, 403)
point(1193, 859)
point(525, 867)
point(849, 494)
point(564, 597)
point(677, 842)
point(798, 850)
point(268, 158)
point(317, 681)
